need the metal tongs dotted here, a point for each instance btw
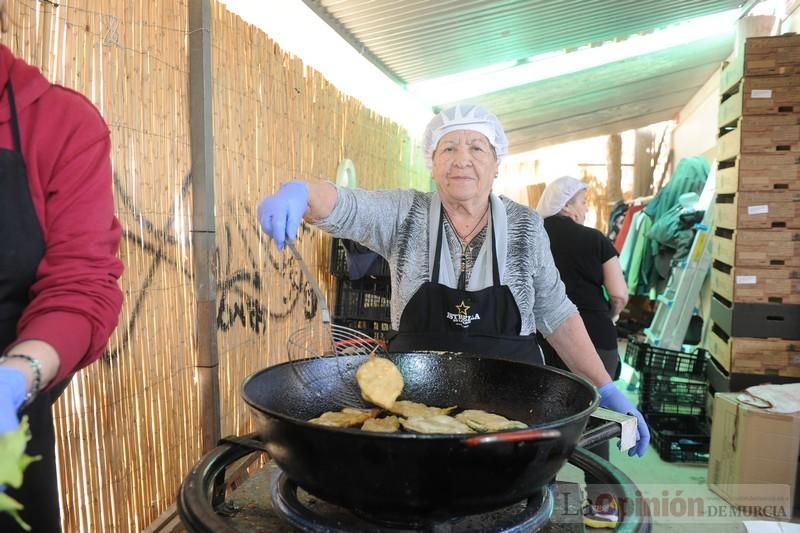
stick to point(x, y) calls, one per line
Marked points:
point(326, 315)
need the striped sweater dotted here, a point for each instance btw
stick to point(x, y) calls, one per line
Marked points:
point(394, 223)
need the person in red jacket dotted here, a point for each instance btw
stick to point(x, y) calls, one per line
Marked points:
point(59, 293)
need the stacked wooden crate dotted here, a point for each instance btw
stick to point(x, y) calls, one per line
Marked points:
point(755, 275)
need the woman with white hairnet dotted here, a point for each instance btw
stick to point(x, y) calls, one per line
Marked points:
point(587, 262)
point(470, 271)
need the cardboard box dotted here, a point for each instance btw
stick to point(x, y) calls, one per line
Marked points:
point(753, 456)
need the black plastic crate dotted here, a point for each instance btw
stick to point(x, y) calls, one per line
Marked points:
point(363, 300)
point(374, 328)
point(338, 260)
point(671, 395)
point(656, 385)
point(632, 352)
point(679, 439)
point(671, 405)
point(647, 358)
point(339, 267)
point(666, 407)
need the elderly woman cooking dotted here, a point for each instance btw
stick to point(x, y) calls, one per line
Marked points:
point(471, 271)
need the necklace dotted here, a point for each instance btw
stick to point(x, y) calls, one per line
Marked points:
point(464, 238)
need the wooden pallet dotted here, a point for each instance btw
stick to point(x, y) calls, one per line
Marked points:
point(760, 95)
point(772, 56)
point(756, 247)
point(759, 172)
point(779, 285)
point(730, 76)
point(763, 56)
point(758, 210)
point(760, 134)
point(770, 94)
point(730, 109)
point(783, 129)
point(753, 356)
point(721, 381)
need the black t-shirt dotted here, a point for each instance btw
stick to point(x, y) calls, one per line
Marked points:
point(579, 253)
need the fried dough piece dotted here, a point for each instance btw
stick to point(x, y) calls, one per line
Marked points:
point(389, 424)
point(435, 424)
point(484, 422)
point(413, 409)
point(380, 381)
point(346, 418)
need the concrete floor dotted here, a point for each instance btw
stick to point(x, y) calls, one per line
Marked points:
point(681, 482)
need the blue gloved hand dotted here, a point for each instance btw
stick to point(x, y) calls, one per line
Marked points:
point(280, 214)
point(12, 394)
point(613, 398)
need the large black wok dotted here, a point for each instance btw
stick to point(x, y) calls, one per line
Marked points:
point(411, 473)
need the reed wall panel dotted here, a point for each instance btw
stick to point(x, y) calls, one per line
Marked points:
point(275, 120)
point(128, 426)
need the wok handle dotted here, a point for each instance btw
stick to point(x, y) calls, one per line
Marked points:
point(515, 436)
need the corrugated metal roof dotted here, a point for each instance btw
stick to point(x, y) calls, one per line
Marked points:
point(615, 97)
point(415, 40)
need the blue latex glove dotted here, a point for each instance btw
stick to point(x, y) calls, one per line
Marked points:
point(613, 398)
point(280, 214)
point(12, 394)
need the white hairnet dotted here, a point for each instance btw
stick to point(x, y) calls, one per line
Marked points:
point(464, 117)
point(557, 194)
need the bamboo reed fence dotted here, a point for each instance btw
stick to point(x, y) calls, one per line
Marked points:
point(128, 426)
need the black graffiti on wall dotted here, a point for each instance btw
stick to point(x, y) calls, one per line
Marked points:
point(237, 285)
point(242, 259)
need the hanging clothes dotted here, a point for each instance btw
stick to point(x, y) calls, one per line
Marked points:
point(639, 253)
point(690, 176)
point(622, 236)
point(626, 252)
point(675, 230)
point(615, 220)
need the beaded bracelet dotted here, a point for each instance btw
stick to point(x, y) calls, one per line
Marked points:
point(37, 376)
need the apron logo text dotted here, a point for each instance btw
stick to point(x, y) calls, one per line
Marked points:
point(460, 317)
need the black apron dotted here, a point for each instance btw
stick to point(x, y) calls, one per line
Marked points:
point(21, 251)
point(485, 322)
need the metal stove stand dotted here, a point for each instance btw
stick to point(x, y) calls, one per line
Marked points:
point(205, 503)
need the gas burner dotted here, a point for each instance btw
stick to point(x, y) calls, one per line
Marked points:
point(311, 514)
point(212, 501)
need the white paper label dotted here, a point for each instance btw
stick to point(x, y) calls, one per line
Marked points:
point(746, 280)
point(761, 93)
point(757, 209)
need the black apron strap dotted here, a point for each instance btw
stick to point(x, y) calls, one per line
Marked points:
point(437, 254)
point(495, 268)
point(14, 120)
